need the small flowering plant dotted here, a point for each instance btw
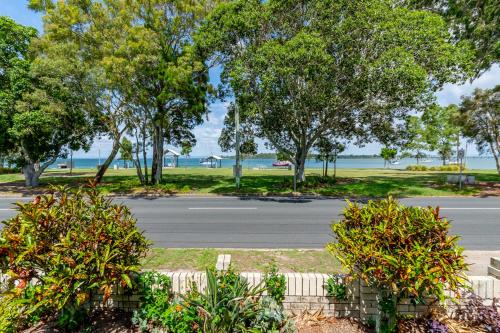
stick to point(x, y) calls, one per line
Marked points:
point(275, 284)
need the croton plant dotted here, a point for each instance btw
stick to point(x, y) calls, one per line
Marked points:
point(64, 246)
point(405, 250)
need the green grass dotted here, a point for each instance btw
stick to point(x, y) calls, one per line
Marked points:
point(243, 260)
point(350, 182)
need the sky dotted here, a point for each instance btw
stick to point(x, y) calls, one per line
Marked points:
point(208, 133)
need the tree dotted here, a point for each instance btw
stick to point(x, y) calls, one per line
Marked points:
point(303, 70)
point(328, 151)
point(388, 154)
point(15, 60)
point(441, 133)
point(479, 117)
point(46, 112)
point(126, 151)
point(150, 71)
point(416, 138)
point(473, 22)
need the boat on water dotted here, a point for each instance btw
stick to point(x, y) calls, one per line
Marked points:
point(394, 162)
point(282, 164)
point(427, 161)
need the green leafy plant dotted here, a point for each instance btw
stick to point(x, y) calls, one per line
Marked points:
point(405, 251)
point(182, 317)
point(275, 283)
point(336, 287)
point(63, 248)
point(229, 304)
point(156, 296)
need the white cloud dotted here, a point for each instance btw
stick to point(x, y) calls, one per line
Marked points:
point(452, 93)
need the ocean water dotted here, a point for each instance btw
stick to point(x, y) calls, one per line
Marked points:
point(342, 163)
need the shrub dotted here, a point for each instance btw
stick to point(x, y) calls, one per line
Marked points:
point(452, 167)
point(156, 296)
point(417, 168)
point(4, 170)
point(476, 314)
point(402, 251)
point(63, 247)
point(335, 287)
point(275, 284)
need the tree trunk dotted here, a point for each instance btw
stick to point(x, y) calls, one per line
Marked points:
point(30, 175)
point(137, 160)
point(102, 170)
point(498, 163)
point(33, 170)
point(496, 157)
point(157, 167)
point(300, 169)
point(335, 168)
point(326, 168)
point(71, 163)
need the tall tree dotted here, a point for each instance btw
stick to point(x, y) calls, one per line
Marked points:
point(301, 70)
point(388, 154)
point(15, 62)
point(479, 116)
point(48, 115)
point(328, 151)
point(415, 139)
point(173, 81)
point(474, 22)
point(126, 151)
point(440, 131)
point(150, 67)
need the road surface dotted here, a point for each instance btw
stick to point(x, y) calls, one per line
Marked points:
point(231, 222)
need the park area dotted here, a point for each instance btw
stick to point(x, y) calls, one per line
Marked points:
point(355, 183)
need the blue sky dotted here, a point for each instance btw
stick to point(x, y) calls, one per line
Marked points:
point(208, 133)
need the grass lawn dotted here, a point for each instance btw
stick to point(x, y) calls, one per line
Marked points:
point(350, 182)
point(243, 260)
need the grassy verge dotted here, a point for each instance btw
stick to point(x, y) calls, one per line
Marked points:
point(243, 260)
point(350, 182)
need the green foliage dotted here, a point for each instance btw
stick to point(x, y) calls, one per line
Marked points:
point(228, 304)
point(4, 171)
point(473, 22)
point(15, 60)
point(182, 317)
point(406, 250)
point(335, 287)
point(451, 167)
point(156, 295)
point(275, 283)
point(300, 73)
point(64, 247)
point(388, 154)
point(126, 150)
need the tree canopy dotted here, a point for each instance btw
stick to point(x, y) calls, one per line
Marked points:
point(473, 22)
point(150, 80)
point(303, 70)
point(479, 117)
point(43, 105)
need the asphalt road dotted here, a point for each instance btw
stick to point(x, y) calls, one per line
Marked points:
point(230, 222)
